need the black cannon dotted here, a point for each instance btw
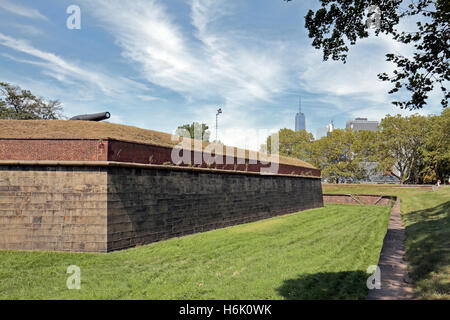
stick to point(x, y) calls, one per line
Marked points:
point(92, 117)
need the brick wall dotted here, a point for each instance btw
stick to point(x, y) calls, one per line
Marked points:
point(361, 199)
point(127, 151)
point(104, 208)
point(108, 149)
point(53, 149)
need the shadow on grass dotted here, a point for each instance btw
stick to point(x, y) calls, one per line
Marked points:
point(326, 285)
point(428, 246)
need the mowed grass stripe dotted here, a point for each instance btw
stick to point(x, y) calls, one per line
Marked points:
point(426, 214)
point(309, 254)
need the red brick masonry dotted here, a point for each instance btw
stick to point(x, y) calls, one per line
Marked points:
point(365, 199)
point(107, 149)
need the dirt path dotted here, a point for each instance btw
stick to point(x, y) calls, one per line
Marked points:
point(394, 277)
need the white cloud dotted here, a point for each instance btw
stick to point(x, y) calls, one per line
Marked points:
point(115, 119)
point(217, 66)
point(64, 71)
point(56, 64)
point(358, 77)
point(28, 30)
point(206, 61)
point(205, 12)
point(149, 98)
point(246, 138)
point(21, 10)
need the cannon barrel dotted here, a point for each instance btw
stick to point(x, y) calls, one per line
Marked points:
point(92, 117)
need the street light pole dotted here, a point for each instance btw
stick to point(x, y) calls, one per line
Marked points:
point(219, 111)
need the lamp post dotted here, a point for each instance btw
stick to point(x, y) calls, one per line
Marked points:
point(219, 111)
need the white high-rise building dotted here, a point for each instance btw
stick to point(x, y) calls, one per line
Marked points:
point(330, 128)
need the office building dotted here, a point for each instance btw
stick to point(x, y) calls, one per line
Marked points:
point(362, 124)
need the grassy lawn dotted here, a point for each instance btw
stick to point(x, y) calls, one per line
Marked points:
point(315, 254)
point(426, 214)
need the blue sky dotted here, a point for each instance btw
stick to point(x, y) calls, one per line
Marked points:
point(160, 64)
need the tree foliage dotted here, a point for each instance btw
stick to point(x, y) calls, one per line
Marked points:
point(400, 145)
point(414, 149)
point(340, 23)
point(436, 149)
point(336, 157)
point(195, 131)
point(295, 144)
point(19, 104)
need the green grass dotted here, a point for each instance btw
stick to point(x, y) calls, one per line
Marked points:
point(315, 254)
point(427, 220)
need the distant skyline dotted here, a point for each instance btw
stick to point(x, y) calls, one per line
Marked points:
point(159, 64)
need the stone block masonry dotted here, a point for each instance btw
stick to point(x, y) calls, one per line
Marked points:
point(58, 208)
point(100, 206)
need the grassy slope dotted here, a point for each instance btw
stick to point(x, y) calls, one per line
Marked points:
point(426, 214)
point(314, 254)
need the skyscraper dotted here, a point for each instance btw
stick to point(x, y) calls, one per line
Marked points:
point(300, 117)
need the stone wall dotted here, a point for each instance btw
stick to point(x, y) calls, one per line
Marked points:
point(59, 208)
point(97, 207)
point(151, 205)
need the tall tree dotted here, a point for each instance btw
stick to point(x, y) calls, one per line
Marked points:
point(365, 145)
point(19, 104)
point(400, 146)
point(336, 157)
point(365, 150)
point(295, 144)
point(194, 131)
point(436, 149)
point(340, 23)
